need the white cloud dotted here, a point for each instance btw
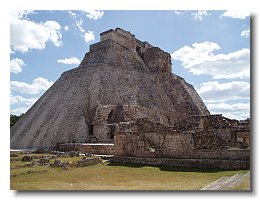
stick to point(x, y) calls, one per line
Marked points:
point(38, 84)
point(94, 14)
point(241, 14)
point(178, 12)
point(72, 14)
point(79, 25)
point(200, 14)
point(245, 33)
point(199, 59)
point(11, 51)
point(232, 111)
point(213, 91)
point(89, 36)
point(16, 65)
point(66, 28)
point(14, 14)
point(21, 100)
point(20, 110)
point(69, 61)
point(26, 34)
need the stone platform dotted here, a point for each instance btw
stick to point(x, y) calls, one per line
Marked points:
point(220, 164)
point(89, 148)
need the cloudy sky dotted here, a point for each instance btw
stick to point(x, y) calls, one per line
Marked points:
point(210, 49)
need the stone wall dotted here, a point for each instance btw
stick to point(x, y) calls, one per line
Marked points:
point(111, 114)
point(144, 139)
point(225, 164)
point(208, 139)
point(126, 39)
point(241, 139)
point(157, 60)
point(114, 54)
point(98, 149)
point(152, 144)
point(226, 131)
point(136, 138)
point(133, 112)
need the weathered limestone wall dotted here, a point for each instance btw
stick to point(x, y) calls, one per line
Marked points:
point(241, 139)
point(126, 40)
point(111, 114)
point(157, 60)
point(166, 144)
point(129, 113)
point(112, 53)
point(100, 132)
point(144, 138)
point(226, 131)
point(225, 164)
point(208, 139)
point(98, 149)
point(179, 95)
point(149, 143)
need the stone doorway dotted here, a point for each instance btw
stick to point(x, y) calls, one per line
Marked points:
point(111, 132)
point(116, 115)
point(90, 129)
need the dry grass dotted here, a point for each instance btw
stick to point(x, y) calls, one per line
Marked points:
point(244, 185)
point(108, 177)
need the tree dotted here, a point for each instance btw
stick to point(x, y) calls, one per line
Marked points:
point(14, 119)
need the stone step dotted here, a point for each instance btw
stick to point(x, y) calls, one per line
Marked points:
point(215, 185)
point(240, 179)
point(230, 181)
point(225, 182)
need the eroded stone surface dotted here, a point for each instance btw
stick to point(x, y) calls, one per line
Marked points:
point(118, 71)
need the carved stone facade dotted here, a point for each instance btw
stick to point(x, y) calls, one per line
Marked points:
point(203, 143)
point(126, 39)
point(143, 138)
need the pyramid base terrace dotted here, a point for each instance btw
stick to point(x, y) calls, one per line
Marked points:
point(89, 148)
point(219, 164)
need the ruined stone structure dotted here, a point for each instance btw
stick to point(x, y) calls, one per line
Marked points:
point(195, 141)
point(124, 94)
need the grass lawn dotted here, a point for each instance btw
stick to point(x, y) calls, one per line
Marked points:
point(115, 177)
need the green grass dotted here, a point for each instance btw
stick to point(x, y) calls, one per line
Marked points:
point(24, 169)
point(21, 155)
point(70, 159)
point(116, 177)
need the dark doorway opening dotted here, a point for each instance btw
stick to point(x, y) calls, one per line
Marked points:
point(111, 132)
point(138, 49)
point(90, 129)
point(116, 115)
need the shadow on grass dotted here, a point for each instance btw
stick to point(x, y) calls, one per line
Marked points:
point(185, 169)
point(169, 168)
point(125, 165)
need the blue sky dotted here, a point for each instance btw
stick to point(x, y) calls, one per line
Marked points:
point(210, 49)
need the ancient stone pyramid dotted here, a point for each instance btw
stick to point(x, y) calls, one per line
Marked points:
point(119, 72)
